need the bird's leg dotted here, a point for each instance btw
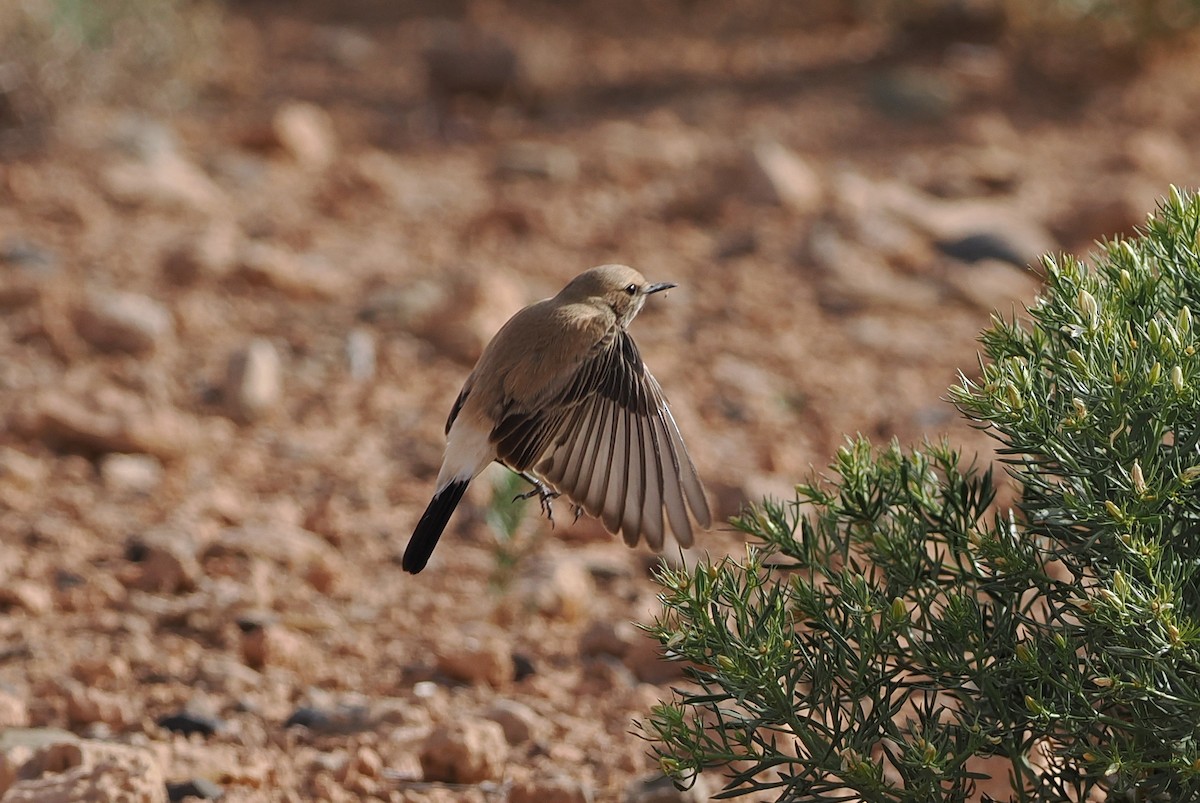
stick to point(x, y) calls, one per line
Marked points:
point(543, 491)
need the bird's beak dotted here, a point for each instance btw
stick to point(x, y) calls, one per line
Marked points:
point(658, 286)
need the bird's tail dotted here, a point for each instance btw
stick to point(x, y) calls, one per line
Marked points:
point(429, 528)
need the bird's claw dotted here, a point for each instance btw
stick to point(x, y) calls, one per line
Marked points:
point(544, 493)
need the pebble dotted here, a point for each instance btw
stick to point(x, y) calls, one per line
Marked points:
point(122, 321)
point(913, 94)
point(14, 711)
point(555, 789)
point(972, 248)
point(563, 588)
point(87, 705)
point(165, 181)
point(189, 722)
point(282, 543)
point(462, 61)
point(207, 254)
point(131, 473)
point(28, 255)
point(31, 596)
point(253, 380)
point(339, 718)
point(20, 469)
point(127, 425)
point(605, 637)
point(478, 659)
point(296, 276)
point(994, 285)
point(521, 723)
point(163, 560)
point(194, 787)
point(468, 751)
point(360, 354)
point(536, 160)
point(70, 769)
point(305, 131)
point(776, 175)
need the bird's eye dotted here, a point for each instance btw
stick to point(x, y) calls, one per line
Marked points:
point(631, 289)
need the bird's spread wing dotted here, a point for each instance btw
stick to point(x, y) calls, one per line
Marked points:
point(608, 441)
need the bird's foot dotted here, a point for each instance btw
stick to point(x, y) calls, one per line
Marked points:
point(544, 494)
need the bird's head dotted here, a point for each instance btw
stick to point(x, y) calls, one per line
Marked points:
point(618, 286)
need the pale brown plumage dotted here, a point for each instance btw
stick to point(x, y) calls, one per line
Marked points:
point(561, 393)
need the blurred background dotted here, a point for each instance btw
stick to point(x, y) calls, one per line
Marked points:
point(249, 250)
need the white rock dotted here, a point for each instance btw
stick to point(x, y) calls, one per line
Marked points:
point(131, 473)
point(305, 131)
point(119, 321)
point(254, 380)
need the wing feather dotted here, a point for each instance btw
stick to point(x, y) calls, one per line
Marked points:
point(613, 447)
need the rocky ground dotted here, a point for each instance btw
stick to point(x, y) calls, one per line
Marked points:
point(230, 337)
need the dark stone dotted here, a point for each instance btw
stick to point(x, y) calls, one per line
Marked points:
point(187, 723)
point(522, 666)
point(307, 717)
point(983, 245)
point(194, 787)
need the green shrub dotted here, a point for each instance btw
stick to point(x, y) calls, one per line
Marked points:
point(895, 635)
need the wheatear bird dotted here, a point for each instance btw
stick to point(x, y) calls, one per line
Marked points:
point(561, 396)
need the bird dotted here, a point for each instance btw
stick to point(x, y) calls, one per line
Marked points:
point(561, 396)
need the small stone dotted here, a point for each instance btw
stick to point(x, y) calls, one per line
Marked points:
point(189, 722)
point(993, 285)
point(462, 61)
point(27, 255)
point(658, 788)
point(285, 544)
point(208, 254)
point(536, 160)
point(131, 473)
point(465, 752)
point(521, 723)
point(20, 469)
point(29, 595)
point(973, 248)
point(523, 666)
point(604, 637)
point(87, 705)
point(165, 181)
point(119, 321)
point(776, 175)
point(462, 314)
point(340, 718)
point(194, 787)
point(254, 380)
point(271, 643)
point(478, 659)
point(295, 276)
point(163, 560)
point(14, 711)
point(84, 770)
point(913, 94)
point(122, 423)
point(360, 354)
point(305, 131)
point(555, 789)
point(563, 588)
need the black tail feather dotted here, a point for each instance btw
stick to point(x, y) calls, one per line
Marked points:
point(429, 528)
